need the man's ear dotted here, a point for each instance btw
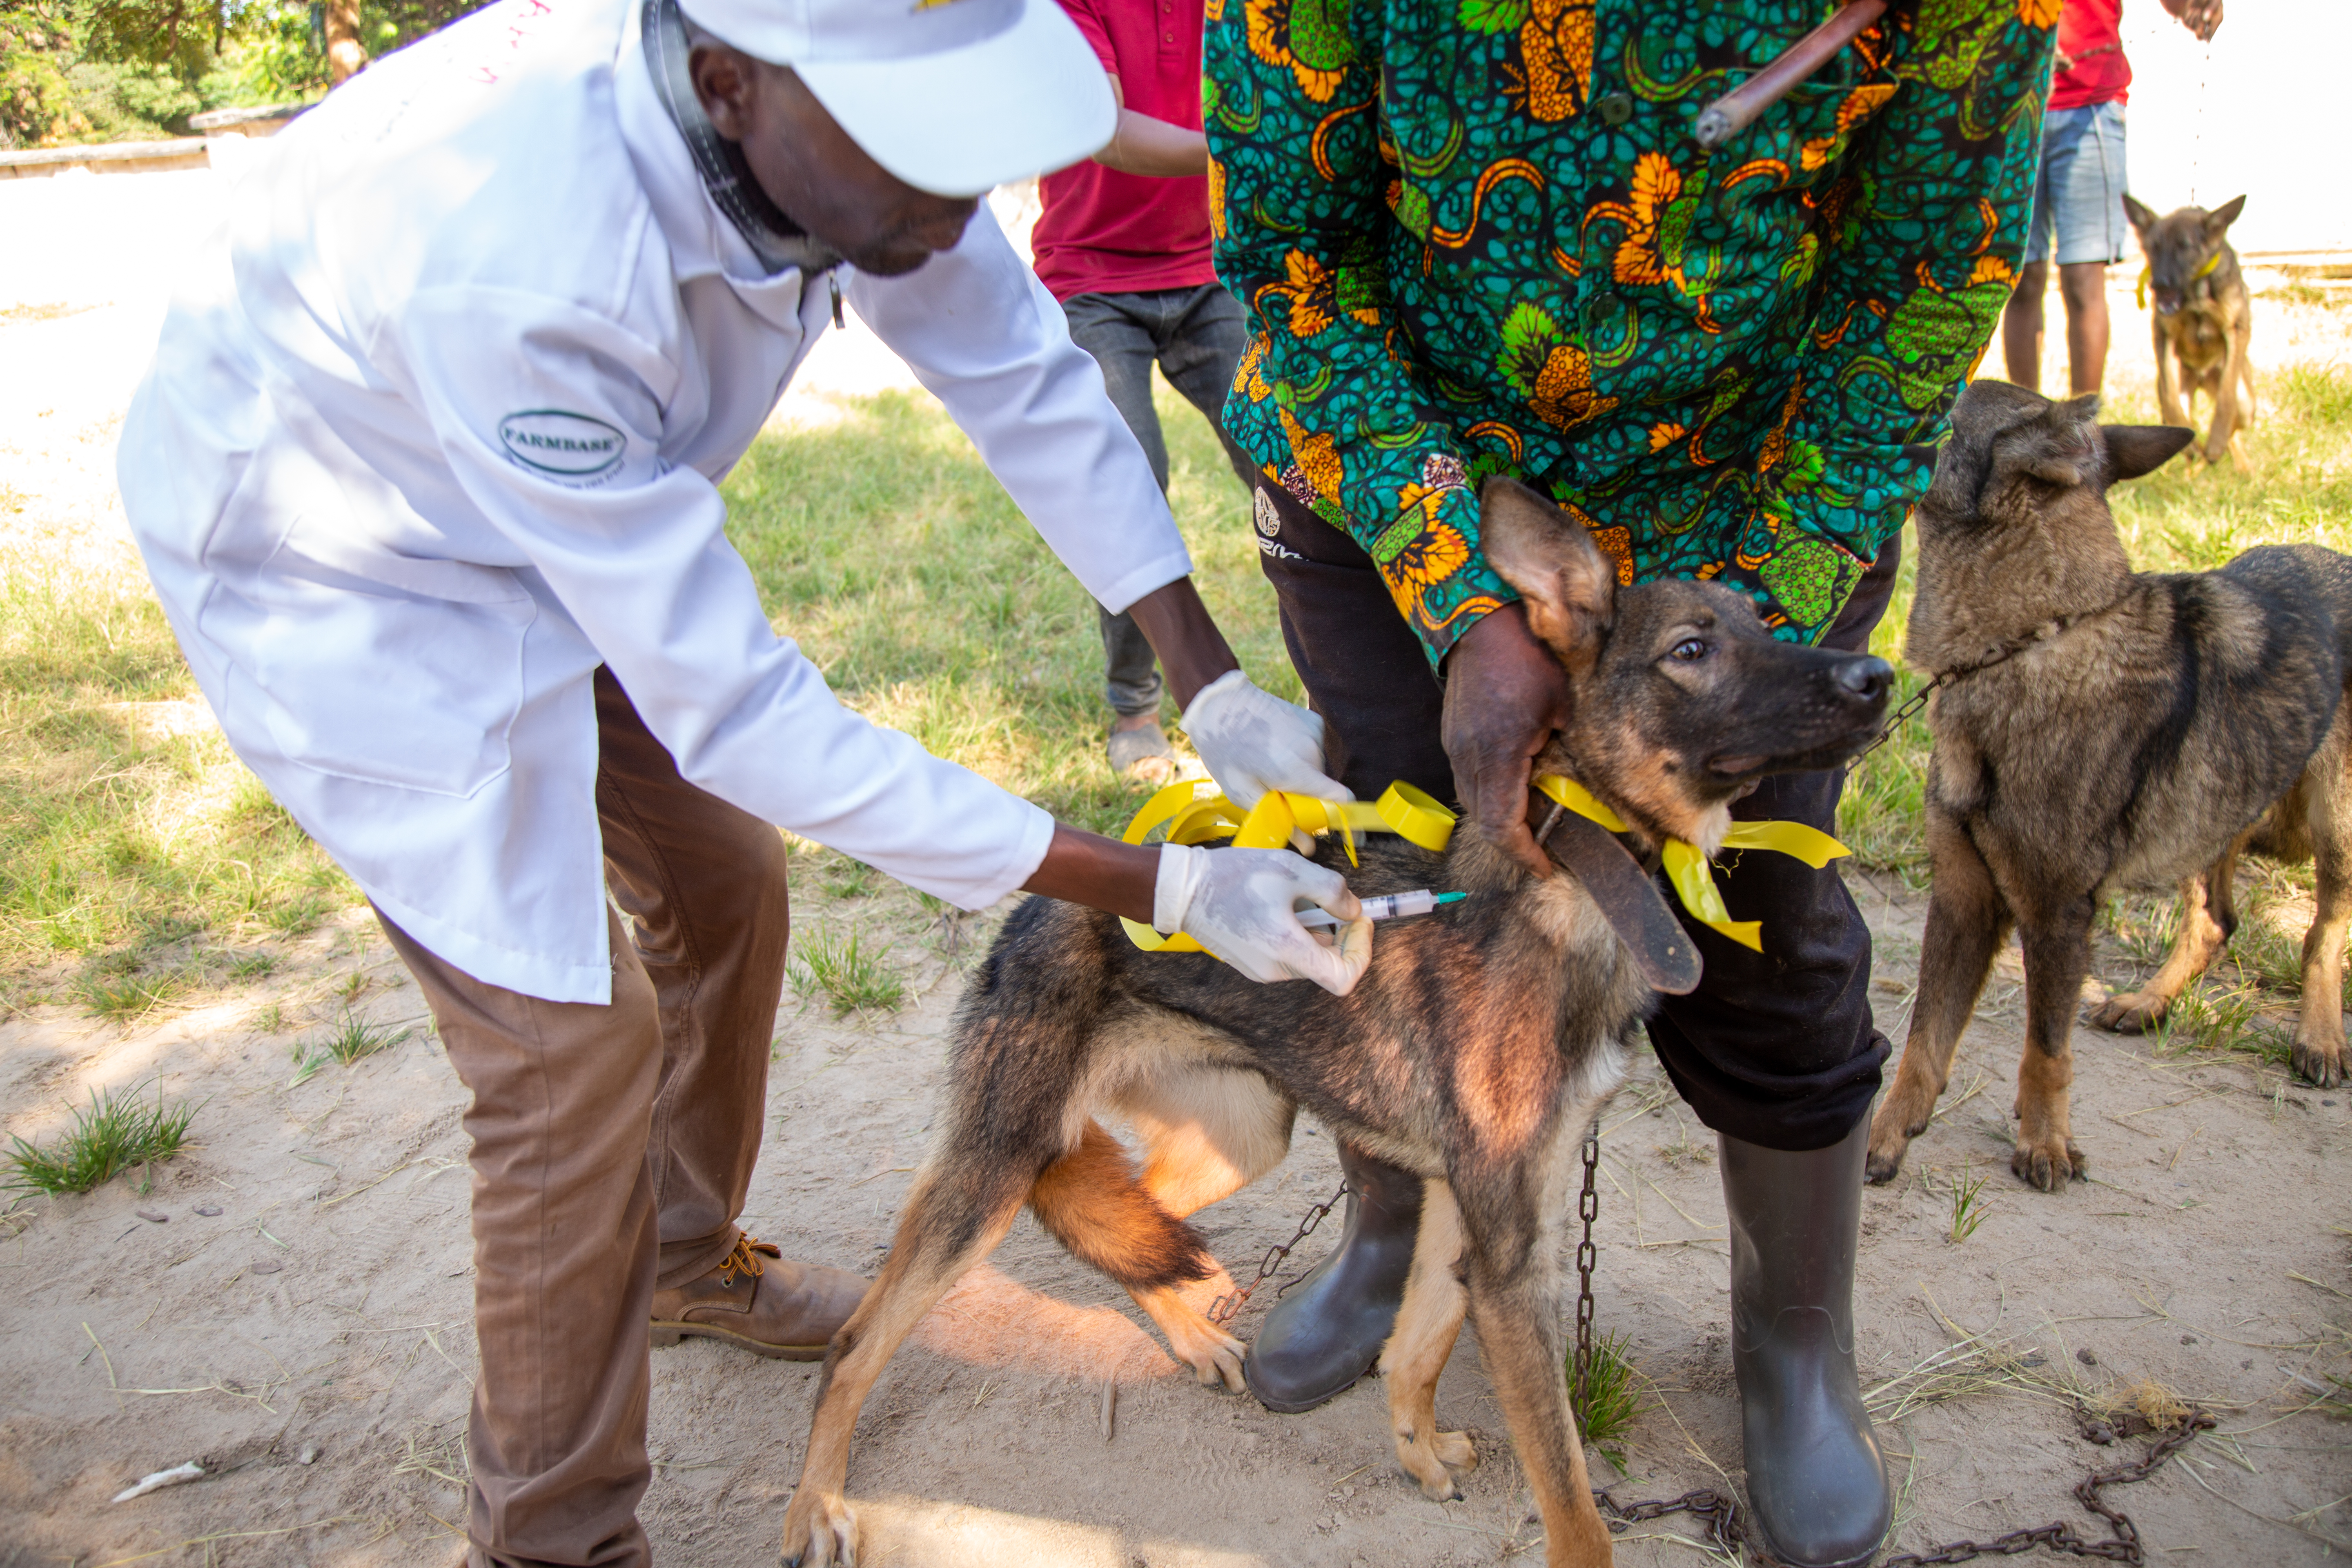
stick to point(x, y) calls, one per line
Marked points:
point(2137, 449)
point(724, 83)
point(1570, 587)
point(2142, 219)
point(2219, 220)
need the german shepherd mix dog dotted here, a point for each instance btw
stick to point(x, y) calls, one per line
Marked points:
point(1476, 1051)
point(2101, 729)
point(2204, 318)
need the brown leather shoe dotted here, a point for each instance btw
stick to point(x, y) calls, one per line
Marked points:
point(782, 1309)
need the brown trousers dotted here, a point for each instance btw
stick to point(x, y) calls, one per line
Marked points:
point(612, 1150)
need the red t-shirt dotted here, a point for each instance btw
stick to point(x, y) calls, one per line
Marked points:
point(1107, 233)
point(2090, 35)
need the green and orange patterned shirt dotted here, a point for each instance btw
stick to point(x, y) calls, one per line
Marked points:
point(1475, 236)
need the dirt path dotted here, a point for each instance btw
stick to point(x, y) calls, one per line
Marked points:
point(309, 1342)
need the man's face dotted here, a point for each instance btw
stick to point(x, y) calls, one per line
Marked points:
point(810, 168)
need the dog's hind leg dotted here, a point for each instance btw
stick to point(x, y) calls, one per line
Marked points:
point(2057, 957)
point(1426, 1327)
point(2208, 916)
point(2224, 434)
point(1966, 920)
point(1208, 1130)
point(1514, 1314)
point(2319, 1032)
point(955, 1217)
point(1093, 1203)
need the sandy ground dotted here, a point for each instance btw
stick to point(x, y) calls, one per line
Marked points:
point(309, 1343)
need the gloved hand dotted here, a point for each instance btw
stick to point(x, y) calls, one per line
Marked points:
point(1254, 742)
point(1239, 904)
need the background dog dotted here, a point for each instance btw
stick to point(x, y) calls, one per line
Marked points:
point(2105, 729)
point(2204, 318)
point(1476, 1051)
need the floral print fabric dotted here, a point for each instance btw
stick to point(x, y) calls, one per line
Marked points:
point(1475, 236)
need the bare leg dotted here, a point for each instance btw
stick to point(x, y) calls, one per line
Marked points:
point(2084, 286)
point(2208, 916)
point(1426, 1327)
point(1966, 923)
point(2057, 957)
point(2020, 326)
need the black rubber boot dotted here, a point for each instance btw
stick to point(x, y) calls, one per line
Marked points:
point(1328, 1329)
point(1815, 1479)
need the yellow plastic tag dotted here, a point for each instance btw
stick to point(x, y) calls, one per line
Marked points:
point(1192, 818)
point(1687, 870)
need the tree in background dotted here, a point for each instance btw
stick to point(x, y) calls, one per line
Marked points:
point(113, 70)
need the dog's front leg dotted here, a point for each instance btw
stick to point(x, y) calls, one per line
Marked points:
point(2207, 920)
point(2319, 1033)
point(1426, 1327)
point(1522, 1354)
point(1967, 920)
point(2057, 957)
point(2222, 436)
point(2168, 392)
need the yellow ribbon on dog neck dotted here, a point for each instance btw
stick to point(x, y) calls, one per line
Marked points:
point(1687, 869)
point(2147, 274)
point(1192, 817)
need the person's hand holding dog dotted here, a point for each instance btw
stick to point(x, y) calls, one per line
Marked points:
point(1253, 742)
point(1505, 695)
point(1241, 905)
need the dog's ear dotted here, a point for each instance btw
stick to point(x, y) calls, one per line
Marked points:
point(1986, 409)
point(2137, 449)
point(1570, 587)
point(2142, 219)
point(2219, 220)
point(2058, 449)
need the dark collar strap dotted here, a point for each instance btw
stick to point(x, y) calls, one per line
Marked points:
point(775, 240)
point(1628, 897)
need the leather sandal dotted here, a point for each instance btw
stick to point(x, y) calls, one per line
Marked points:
point(755, 1300)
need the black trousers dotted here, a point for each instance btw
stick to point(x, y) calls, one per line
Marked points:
point(1777, 1047)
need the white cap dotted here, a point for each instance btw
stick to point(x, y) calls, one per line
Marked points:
point(954, 97)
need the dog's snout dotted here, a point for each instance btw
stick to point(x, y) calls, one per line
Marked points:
point(1868, 679)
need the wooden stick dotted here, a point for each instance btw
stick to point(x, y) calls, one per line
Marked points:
point(1736, 110)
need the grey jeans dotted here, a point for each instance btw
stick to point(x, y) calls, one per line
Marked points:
point(1196, 336)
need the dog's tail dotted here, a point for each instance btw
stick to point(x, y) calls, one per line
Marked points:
point(1093, 1203)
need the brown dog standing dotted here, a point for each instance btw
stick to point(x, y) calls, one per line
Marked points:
point(2104, 728)
point(1476, 1052)
point(2204, 319)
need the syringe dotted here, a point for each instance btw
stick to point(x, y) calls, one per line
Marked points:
point(1385, 907)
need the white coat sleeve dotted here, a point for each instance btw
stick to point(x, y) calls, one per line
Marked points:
point(550, 417)
point(990, 341)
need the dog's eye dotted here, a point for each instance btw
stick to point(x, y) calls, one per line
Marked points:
point(1690, 650)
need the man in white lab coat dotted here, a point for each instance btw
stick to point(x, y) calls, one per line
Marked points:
point(425, 474)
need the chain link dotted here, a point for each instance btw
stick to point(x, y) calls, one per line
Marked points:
point(1911, 705)
point(1726, 1531)
point(1588, 1209)
point(1224, 1307)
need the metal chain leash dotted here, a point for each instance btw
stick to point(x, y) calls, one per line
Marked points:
point(1911, 705)
point(1224, 1307)
point(1727, 1531)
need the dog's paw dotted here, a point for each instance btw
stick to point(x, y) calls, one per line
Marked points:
point(820, 1531)
point(2048, 1164)
point(1215, 1358)
point(2132, 1013)
point(2318, 1064)
point(1885, 1160)
point(1432, 1464)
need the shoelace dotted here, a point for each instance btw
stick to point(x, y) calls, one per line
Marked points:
point(745, 1258)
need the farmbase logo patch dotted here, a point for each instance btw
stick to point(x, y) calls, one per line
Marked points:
point(567, 445)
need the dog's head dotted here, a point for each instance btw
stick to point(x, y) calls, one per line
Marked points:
point(2182, 249)
point(2013, 454)
point(1680, 699)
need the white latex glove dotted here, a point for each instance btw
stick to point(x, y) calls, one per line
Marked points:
point(1253, 742)
point(1242, 905)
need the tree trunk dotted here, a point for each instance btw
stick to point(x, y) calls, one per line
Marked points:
point(344, 56)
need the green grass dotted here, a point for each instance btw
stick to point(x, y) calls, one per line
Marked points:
point(348, 1040)
point(1968, 1205)
point(1612, 1395)
point(842, 968)
point(115, 1133)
